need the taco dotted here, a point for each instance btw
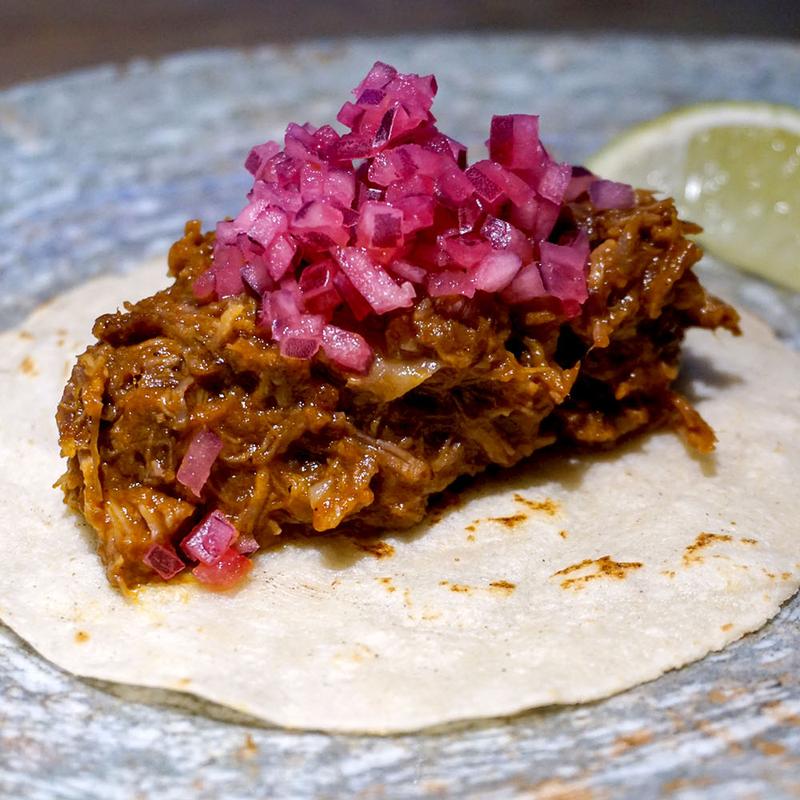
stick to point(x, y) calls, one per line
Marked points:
point(286, 429)
point(380, 320)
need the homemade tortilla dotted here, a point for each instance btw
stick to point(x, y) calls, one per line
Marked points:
point(561, 582)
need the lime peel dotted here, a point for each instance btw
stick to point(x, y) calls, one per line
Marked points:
point(732, 167)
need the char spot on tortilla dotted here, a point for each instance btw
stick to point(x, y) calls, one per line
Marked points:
point(470, 528)
point(510, 521)
point(460, 588)
point(375, 548)
point(387, 582)
point(28, 366)
point(704, 539)
point(81, 637)
point(470, 537)
point(358, 654)
point(749, 541)
point(670, 573)
point(25, 335)
point(726, 627)
point(563, 534)
point(603, 567)
point(502, 587)
point(547, 505)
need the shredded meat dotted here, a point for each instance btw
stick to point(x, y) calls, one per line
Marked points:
point(457, 385)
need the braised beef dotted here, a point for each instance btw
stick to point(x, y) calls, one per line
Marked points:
point(457, 385)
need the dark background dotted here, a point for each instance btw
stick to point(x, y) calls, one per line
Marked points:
point(43, 37)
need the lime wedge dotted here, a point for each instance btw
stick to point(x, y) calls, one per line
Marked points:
point(733, 168)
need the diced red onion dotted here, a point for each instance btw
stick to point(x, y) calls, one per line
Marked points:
point(496, 271)
point(204, 285)
point(524, 215)
point(469, 216)
point(228, 263)
point(260, 222)
point(526, 286)
point(547, 215)
point(259, 154)
point(416, 185)
point(579, 183)
point(323, 139)
point(418, 212)
point(359, 307)
point(198, 459)
point(380, 225)
point(466, 251)
point(440, 143)
point(300, 338)
point(349, 115)
point(450, 282)
point(371, 97)
point(611, 194)
point(280, 169)
point(226, 232)
point(493, 182)
point(350, 146)
point(454, 187)
point(482, 179)
point(563, 269)
point(379, 76)
point(318, 288)
point(340, 187)
point(209, 539)
point(164, 560)
point(280, 308)
point(257, 277)
point(347, 349)
point(514, 141)
point(228, 570)
point(290, 200)
point(321, 217)
point(279, 256)
point(412, 211)
point(373, 283)
point(554, 181)
point(245, 545)
point(407, 271)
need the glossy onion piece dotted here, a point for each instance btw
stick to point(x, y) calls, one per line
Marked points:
point(611, 194)
point(164, 560)
point(209, 539)
point(195, 466)
point(351, 225)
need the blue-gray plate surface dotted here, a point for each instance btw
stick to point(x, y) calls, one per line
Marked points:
point(100, 169)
